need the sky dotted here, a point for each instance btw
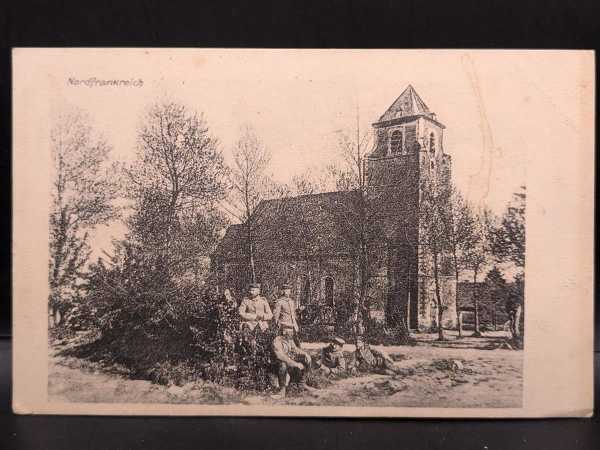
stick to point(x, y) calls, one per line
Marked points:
point(495, 105)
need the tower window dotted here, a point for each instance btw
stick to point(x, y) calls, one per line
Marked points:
point(396, 142)
point(432, 143)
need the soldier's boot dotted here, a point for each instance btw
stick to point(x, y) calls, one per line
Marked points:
point(280, 394)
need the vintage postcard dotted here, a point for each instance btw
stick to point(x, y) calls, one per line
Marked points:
point(376, 233)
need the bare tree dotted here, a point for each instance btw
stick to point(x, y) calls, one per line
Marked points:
point(434, 238)
point(176, 182)
point(459, 223)
point(82, 195)
point(476, 255)
point(360, 219)
point(313, 181)
point(250, 183)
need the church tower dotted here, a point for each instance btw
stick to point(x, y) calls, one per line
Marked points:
point(408, 150)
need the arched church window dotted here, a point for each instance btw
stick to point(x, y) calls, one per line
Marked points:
point(396, 142)
point(432, 143)
point(328, 291)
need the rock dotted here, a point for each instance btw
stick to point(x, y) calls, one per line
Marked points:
point(175, 390)
point(391, 386)
point(457, 365)
point(189, 386)
point(252, 400)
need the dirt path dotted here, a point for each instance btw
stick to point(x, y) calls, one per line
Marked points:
point(483, 378)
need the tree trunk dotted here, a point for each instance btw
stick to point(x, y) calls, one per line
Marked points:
point(517, 337)
point(458, 319)
point(250, 252)
point(357, 316)
point(477, 332)
point(252, 266)
point(438, 298)
point(518, 321)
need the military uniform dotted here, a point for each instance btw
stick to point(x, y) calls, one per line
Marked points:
point(285, 353)
point(255, 314)
point(367, 359)
point(285, 314)
point(334, 360)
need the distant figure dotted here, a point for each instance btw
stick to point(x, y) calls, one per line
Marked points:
point(333, 361)
point(289, 362)
point(227, 323)
point(255, 314)
point(367, 359)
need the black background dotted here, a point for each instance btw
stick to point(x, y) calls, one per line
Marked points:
point(284, 23)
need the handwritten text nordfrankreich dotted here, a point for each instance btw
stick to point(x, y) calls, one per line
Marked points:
point(96, 82)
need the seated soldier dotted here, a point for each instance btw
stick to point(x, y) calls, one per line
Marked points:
point(367, 359)
point(289, 362)
point(332, 360)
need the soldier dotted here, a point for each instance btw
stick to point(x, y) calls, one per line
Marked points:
point(285, 310)
point(333, 361)
point(255, 314)
point(289, 362)
point(367, 359)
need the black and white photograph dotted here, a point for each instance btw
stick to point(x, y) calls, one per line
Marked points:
point(282, 228)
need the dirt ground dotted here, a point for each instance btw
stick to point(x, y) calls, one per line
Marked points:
point(471, 372)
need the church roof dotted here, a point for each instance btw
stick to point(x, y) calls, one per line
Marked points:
point(312, 224)
point(407, 104)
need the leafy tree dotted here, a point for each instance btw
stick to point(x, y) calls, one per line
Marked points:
point(176, 183)
point(150, 299)
point(508, 245)
point(83, 191)
point(497, 288)
point(508, 240)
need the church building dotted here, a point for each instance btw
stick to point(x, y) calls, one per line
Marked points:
point(314, 241)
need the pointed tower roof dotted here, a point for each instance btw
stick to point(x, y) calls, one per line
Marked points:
point(408, 104)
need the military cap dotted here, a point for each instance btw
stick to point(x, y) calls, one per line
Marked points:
point(337, 340)
point(286, 286)
point(254, 285)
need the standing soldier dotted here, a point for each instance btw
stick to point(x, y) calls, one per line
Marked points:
point(255, 314)
point(285, 311)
